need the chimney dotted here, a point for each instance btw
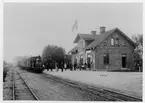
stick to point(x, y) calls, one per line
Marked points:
point(102, 29)
point(93, 33)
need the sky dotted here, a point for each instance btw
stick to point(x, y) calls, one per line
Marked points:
point(29, 27)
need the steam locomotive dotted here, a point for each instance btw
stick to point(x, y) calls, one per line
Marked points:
point(33, 64)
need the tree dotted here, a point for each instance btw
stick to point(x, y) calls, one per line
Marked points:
point(4, 63)
point(6, 67)
point(138, 39)
point(53, 55)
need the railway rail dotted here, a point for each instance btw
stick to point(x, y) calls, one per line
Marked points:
point(107, 95)
point(21, 90)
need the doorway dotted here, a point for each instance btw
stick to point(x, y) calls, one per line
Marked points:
point(124, 61)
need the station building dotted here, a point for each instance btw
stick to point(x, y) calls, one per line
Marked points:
point(106, 50)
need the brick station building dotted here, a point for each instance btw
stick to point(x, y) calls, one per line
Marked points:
point(106, 50)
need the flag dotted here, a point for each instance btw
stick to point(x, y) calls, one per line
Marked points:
point(75, 26)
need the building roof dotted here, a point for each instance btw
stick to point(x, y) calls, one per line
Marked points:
point(98, 38)
point(101, 37)
point(73, 50)
point(84, 36)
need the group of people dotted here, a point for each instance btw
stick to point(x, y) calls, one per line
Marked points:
point(75, 66)
point(82, 66)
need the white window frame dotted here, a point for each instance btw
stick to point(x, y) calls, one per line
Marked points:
point(112, 41)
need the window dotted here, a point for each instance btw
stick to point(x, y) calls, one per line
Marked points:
point(112, 41)
point(124, 44)
point(124, 55)
point(81, 60)
point(89, 58)
point(106, 58)
point(117, 41)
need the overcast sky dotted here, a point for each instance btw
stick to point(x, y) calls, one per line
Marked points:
point(29, 27)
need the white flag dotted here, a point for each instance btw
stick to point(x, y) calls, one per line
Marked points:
point(75, 26)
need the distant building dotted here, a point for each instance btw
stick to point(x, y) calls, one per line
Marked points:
point(106, 50)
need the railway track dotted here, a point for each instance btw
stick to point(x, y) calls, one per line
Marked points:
point(104, 94)
point(21, 90)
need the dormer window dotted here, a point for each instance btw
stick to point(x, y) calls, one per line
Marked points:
point(112, 42)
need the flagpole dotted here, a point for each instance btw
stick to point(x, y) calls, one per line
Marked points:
point(76, 31)
point(76, 27)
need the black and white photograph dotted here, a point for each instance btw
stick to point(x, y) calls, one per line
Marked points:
point(72, 51)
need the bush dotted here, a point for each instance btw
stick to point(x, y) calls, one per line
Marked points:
point(6, 69)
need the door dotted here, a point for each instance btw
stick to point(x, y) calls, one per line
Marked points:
point(124, 61)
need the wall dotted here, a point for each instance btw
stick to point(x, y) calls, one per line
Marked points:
point(81, 44)
point(115, 53)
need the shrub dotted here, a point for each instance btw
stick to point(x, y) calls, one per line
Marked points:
point(6, 69)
